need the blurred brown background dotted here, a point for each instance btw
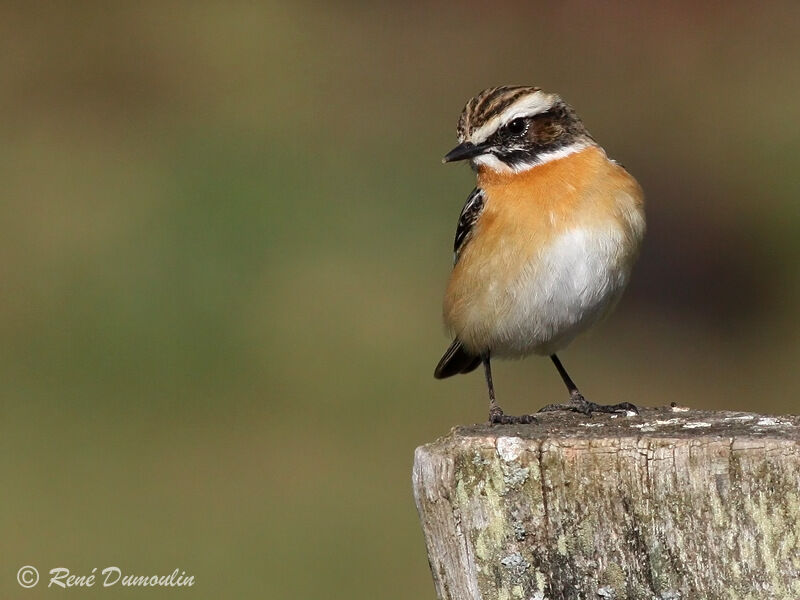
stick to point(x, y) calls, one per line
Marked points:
point(225, 236)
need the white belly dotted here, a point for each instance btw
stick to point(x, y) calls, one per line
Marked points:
point(570, 286)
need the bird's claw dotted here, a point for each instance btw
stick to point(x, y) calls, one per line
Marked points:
point(581, 405)
point(498, 417)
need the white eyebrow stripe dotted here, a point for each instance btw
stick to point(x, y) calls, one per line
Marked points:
point(532, 104)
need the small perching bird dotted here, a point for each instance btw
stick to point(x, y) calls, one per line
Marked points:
point(545, 243)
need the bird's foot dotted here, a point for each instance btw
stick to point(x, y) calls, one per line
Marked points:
point(498, 417)
point(581, 405)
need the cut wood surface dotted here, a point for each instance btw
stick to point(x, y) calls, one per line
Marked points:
point(672, 504)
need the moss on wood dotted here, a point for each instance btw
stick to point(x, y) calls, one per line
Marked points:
point(662, 506)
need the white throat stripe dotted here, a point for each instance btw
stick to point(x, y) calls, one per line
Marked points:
point(495, 164)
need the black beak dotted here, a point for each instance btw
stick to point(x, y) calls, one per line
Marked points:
point(464, 151)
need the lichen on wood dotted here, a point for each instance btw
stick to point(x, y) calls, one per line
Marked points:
point(671, 504)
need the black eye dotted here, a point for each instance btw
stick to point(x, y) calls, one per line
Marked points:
point(517, 126)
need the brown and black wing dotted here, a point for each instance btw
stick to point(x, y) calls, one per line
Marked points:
point(457, 360)
point(466, 220)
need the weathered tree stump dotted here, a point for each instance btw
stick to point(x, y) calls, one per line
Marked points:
point(671, 504)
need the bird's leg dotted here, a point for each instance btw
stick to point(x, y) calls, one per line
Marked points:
point(578, 403)
point(496, 414)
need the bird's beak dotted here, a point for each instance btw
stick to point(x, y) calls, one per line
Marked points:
point(465, 151)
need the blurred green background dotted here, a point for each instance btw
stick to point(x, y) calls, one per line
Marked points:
point(225, 236)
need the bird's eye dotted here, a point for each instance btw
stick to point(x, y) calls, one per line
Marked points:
point(517, 126)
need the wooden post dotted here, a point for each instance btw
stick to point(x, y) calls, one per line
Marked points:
point(673, 504)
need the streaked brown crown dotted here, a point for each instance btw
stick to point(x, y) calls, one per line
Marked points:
point(488, 103)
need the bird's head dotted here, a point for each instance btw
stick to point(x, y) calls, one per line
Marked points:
point(516, 128)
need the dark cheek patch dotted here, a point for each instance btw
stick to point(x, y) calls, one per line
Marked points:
point(545, 132)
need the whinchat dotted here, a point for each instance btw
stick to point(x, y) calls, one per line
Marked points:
point(545, 243)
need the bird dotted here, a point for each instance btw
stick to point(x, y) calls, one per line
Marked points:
point(545, 243)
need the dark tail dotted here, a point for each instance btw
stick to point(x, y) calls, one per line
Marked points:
point(456, 360)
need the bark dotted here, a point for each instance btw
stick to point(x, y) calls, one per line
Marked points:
point(671, 504)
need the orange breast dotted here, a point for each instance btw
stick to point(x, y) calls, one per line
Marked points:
point(523, 214)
